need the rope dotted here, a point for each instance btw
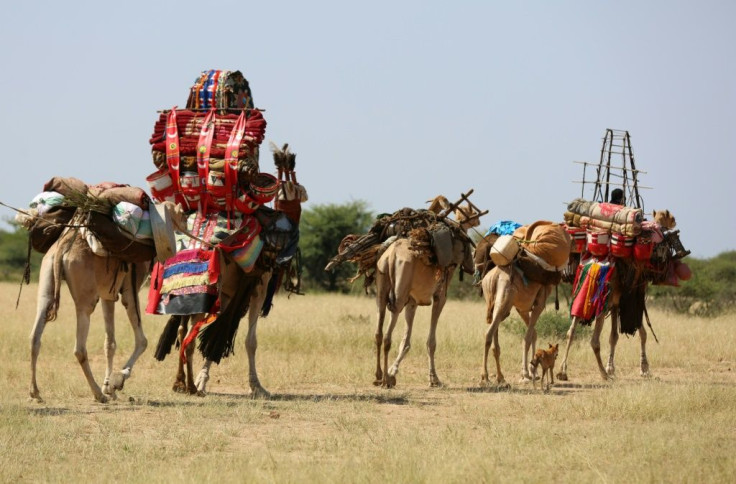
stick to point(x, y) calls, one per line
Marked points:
point(43, 218)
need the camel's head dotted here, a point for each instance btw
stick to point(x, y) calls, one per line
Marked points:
point(467, 216)
point(664, 218)
point(438, 204)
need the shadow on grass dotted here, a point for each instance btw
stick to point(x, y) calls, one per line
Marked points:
point(324, 397)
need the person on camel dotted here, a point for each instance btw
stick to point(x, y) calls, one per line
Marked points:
point(617, 197)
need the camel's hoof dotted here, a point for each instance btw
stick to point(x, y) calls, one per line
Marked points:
point(118, 380)
point(646, 374)
point(102, 398)
point(525, 379)
point(435, 384)
point(378, 382)
point(36, 398)
point(260, 393)
point(391, 381)
point(562, 376)
point(180, 387)
point(199, 393)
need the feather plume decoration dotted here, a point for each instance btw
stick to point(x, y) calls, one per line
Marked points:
point(282, 157)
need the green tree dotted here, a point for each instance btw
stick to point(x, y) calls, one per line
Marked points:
point(14, 253)
point(322, 228)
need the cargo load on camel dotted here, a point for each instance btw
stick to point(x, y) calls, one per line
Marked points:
point(539, 250)
point(435, 238)
point(114, 219)
point(207, 161)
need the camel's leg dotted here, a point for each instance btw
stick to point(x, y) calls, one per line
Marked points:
point(132, 308)
point(108, 314)
point(202, 378)
point(389, 381)
point(644, 361)
point(562, 374)
point(80, 350)
point(595, 343)
point(184, 382)
point(382, 290)
point(409, 312)
point(437, 305)
point(612, 342)
point(251, 342)
point(496, 347)
point(530, 340)
point(85, 295)
point(44, 300)
point(501, 309)
point(487, 346)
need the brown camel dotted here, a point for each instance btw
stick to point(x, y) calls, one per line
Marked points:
point(503, 288)
point(90, 278)
point(404, 281)
point(241, 292)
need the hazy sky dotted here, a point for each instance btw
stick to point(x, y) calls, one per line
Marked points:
point(393, 102)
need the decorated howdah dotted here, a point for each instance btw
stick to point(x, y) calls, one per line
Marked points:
point(207, 161)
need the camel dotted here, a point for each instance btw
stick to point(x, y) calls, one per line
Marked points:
point(403, 282)
point(505, 287)
point(90, 278)
point(239, 292)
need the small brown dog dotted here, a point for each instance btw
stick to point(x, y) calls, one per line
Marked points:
point(547, 359)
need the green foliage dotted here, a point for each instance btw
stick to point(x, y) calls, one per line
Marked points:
point(322, 228)
point(14, 253)
point(710, 291)
point(551, 325)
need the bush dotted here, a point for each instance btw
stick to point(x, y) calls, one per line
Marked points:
point(551, 325)
point(710, 291)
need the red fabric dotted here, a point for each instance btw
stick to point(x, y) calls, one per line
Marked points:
point(154, 291)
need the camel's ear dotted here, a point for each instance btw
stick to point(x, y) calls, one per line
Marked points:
point(550, 345)
point(654, 214)
point(667, 213)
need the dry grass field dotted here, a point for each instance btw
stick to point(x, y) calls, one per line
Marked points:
point(326, 421)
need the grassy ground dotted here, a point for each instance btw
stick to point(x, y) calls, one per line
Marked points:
point(327, 423)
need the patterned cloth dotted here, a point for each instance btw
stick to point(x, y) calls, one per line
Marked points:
point(591, 289)
point(187, 282)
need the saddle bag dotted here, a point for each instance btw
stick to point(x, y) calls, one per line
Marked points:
point(117, 241)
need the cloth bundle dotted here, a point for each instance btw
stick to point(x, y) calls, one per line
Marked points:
point(606, 216)
point(189, 125)
point(114, 214)
point(221, 89)
point(503, 227)
point(546, 240)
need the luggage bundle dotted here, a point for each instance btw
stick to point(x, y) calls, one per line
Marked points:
point(114, 219)
point(541, 250)
point(622, 233)
point(207, 154)
point(601, 229)
point(207, 162)
point(435, 239)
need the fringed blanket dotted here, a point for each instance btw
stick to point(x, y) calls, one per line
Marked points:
point(591, 289)
point(187, 282)
point(184, 284)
